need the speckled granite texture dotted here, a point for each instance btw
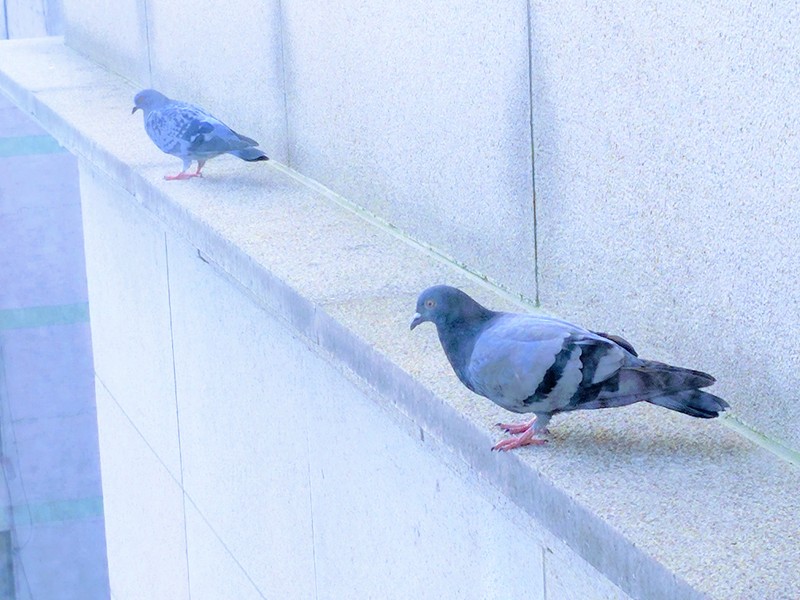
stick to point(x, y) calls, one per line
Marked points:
point(661, 505)
point(663, 138)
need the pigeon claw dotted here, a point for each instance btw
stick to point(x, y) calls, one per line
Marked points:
point(526, 439)
point(181, 175)
point(516, 428)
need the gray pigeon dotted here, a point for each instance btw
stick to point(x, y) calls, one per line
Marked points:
point(190, 133)
point(544, 366)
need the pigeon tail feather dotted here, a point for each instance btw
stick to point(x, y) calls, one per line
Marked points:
point(653, 375)
point(675, 388)
point(695, 403)
point(249, 154)
point(246, 139)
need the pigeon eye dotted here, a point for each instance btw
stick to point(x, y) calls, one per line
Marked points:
point(430, 303)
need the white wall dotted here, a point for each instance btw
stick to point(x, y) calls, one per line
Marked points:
point(420, 112)
point(667, 181)
point(664, 150)
point(24, 19)
point(292, 481)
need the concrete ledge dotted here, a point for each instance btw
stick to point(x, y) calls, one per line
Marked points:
point(661, 505)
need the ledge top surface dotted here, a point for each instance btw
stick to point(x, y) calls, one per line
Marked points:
point(664, 505)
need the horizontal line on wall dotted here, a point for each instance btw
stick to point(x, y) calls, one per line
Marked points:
point(29, 144)
point(56, 511)
point(43, 316)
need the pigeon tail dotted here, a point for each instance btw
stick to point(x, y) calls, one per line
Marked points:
point(249, 154)
point(675, 388)
point(652, 375)
point(695, 403)
point(246, 139)
point(650, 381)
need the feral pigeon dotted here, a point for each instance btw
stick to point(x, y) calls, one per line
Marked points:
point(541, 365)
point(190, 133)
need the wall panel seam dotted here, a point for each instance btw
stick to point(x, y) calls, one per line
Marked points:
point(177, 417)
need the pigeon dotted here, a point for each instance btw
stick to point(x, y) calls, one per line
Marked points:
point(542, 365)
point(190, 133)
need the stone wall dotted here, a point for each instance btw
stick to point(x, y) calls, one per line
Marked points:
point(660, 139)
point(251, 347)
point(25, 18)
point(239, 463)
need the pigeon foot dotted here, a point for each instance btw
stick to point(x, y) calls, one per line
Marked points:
point(181, 175)
point(516, 428)
point(526, 439)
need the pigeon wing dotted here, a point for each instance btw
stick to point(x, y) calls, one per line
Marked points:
point(186, 130)
point(527, 363)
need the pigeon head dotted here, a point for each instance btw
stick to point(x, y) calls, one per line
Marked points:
point(147, 100)
point(442, 305)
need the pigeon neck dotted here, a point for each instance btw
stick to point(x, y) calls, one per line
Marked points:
point(470, 317)
point(458, 337)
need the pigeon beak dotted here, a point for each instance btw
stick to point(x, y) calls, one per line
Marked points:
point(134, 109)
point(416, 320)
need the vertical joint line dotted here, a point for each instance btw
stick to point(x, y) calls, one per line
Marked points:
point(5, 20)
point(533, 155)
point(311, 510)
point(44, 17)
point(282, 25)
point(147, 39)
point(177, 414)
point(544, 572)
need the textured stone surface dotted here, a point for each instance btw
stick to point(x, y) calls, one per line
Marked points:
point(116, 38)
point(667, 178)
point(242, 376)
point(243, 426)
point(568, 577)
point(653, 158)
point(662, 505)
point(206, 53)
point(129, 318)
point(423, 122)
point(23, 19)
point(431, 530)
point(143, 506)
point(213, 571)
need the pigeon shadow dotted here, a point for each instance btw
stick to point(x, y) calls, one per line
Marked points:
point(644, 443)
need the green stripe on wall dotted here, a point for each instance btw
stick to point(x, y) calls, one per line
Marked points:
point(57, 511)
point(28, 144)
point(42, 316)
point(64, 510)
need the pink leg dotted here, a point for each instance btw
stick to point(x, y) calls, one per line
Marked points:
point(516, 428)
point(526, 439)
point(527, 432)
point(181, 175)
